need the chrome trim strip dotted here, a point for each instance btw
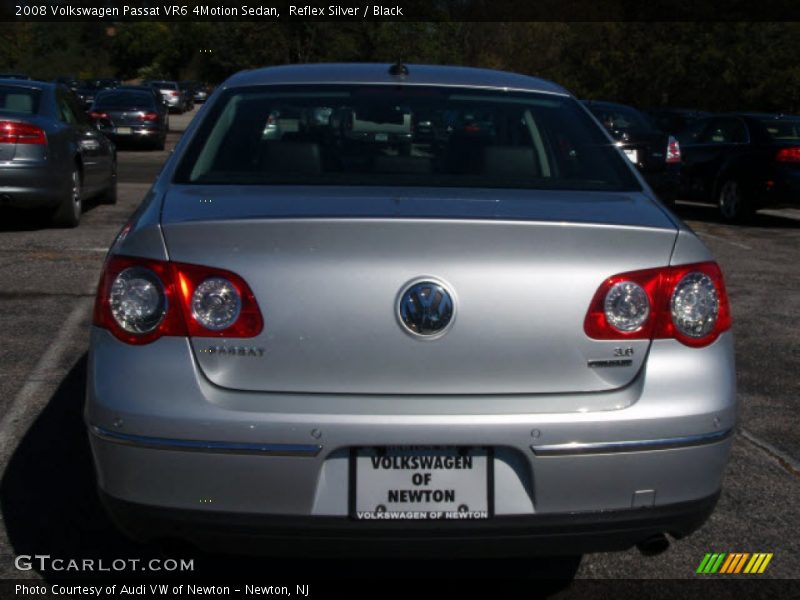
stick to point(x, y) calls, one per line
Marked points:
point(141, 441)
point(574, 448)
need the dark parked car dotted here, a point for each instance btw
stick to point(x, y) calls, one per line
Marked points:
point(50, 155)
point(656, 154)
point(130, 116)
point(90, 88)
point(72, 83)
point(742, 162)
point(187, 89)
point(159, 99)
point(674, 120)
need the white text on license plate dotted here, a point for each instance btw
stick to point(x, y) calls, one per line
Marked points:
point(421, 483)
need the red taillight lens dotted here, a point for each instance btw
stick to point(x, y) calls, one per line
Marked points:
point(788, 155)
point(148, 116)
point(12, 132)
point(140, 300)
point(98, 115)
point(174, 93)
point(673, 151)
point(687, 303)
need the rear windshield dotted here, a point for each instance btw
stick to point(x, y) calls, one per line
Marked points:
point(19, 100)
point(167, 85)
point(783, 129)
point(621, 118)
point(401, 135)
point(125, 99)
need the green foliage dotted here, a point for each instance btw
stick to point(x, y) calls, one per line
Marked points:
point(706, 65)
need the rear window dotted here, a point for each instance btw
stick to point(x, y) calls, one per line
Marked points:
point(166, 85)
point(621, 118)
point(19, 100)
point(404, 136)
point(125, 99)
point(782, 129)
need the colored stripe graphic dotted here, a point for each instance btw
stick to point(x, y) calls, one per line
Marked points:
point(728, 563)
point(734, 562)
point(703, 563)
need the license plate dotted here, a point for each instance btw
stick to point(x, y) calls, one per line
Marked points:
point(632, 155)
point(123, 130)
point(401, 483)
point(381, 137)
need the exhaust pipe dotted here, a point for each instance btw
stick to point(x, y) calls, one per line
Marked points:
point(655, 544)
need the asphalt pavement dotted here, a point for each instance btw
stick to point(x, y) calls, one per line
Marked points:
point(47, 495)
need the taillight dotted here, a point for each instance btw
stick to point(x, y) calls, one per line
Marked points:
point(174, 93)
point(98, 115)
point(788, 155)
point(12, 132)
point(673, 151)
point(148, 116)
point(140, 300)
point(687, 303)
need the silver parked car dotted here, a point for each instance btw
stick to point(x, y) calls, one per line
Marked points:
point(494, 340)
point(171, 93)
point(51, 157)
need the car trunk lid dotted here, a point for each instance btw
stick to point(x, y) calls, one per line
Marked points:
point(327, 269)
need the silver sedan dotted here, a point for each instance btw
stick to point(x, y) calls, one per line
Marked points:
point(487, 336)
point(51, 157)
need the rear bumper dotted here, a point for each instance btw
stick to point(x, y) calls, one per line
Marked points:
point(563, 534)
point(32, 186)
point(187, 450)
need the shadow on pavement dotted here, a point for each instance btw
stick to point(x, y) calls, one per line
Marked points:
point(50, 507)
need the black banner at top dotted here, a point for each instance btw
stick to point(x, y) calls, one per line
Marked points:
point(396, 10)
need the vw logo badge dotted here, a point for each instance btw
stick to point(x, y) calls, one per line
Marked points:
point(426, 308)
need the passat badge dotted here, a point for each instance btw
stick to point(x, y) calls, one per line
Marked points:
point(426, 309)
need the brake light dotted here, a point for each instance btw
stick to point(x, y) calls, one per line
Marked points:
point(13, 132)
point(174, 93)
point(673, 151)
point(687, 303)
point(98, 115)
point(788, 155)
point(140, 300)
point(148, 116)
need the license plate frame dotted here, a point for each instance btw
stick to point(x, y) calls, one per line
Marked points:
point(482, 499)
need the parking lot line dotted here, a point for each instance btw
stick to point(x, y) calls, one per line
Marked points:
point(42, 381)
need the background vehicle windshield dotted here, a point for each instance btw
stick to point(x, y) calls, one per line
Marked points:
point(389, 135)
point(124, 99)
point(787, 129)
point(621, 118)
point(19, 100)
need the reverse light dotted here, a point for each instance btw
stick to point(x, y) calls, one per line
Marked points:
point(673, 151)
point(140, 300)
point(686, 302)
point(216, 304)
point(14, 132)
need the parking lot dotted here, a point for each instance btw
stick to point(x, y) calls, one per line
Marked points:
point(47, 496)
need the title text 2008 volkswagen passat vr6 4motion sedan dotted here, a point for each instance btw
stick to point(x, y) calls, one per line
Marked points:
point(407, 306)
